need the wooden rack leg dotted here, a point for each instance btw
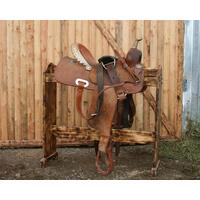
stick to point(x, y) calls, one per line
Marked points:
point(96, 146)
point(49, 140)
point(156, 160)
point(117, 149)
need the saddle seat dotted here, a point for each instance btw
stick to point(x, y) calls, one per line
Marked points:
point(107, 60)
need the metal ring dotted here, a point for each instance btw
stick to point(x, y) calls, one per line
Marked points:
point(79, 80)
point(104, 66)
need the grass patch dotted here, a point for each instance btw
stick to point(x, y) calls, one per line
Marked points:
point(193, 129)
point(186, 149)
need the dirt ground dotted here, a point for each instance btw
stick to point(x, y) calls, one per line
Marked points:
point(134, 162)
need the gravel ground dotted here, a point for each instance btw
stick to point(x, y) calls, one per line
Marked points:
point(134, 162)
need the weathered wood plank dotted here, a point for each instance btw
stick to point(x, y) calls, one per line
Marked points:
point(166, 60)
point(38, 78)
point(3, 78)
point(10, 83)
point(179, 78)
point(20, 143)
point(153, 63)
point(30, 78)
point(81, 135)
point(17, 78)
point(109, 37)
point(172, 70)
point(23, 81)
point(113, 31)
point(62, 93)
point(146, 58)
point(139, 96)
point(43, 45)
point(56, 50)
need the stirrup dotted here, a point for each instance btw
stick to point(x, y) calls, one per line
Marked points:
point(109, 162)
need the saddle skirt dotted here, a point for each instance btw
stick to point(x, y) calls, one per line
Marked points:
point(70, 72)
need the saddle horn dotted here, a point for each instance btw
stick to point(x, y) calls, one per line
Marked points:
point(134, 55)
point(136, 42)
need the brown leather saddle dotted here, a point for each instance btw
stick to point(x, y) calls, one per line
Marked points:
point(124, 75)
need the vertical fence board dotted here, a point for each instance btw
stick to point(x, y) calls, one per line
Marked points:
point(1, 74)
point(172, 71)
point(10, 77)
point(30, 78)
point(146, 60)
point(63, 91)
point(153, 64)
point(17, 89)
point(132, 38)
point(112, 28)
point(166, 64)
point(160, 54)
point(179, 82)
point(23, 86)
point(3, 78)
point(38, 82)
point(56, 50)
point(43, 45)
point(139, 96)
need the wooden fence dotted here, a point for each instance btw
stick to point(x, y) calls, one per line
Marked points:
point(27, 47)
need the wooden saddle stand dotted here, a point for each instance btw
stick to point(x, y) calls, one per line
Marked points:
point(112, 80)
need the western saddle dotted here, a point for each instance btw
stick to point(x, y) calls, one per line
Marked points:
point(124, 75)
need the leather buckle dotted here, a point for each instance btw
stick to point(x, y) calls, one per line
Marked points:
point(104, 66)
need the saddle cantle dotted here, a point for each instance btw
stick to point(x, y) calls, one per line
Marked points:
point(83, 55)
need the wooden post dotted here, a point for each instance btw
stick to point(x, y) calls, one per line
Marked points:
point(156, 160)
point(49, 140)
